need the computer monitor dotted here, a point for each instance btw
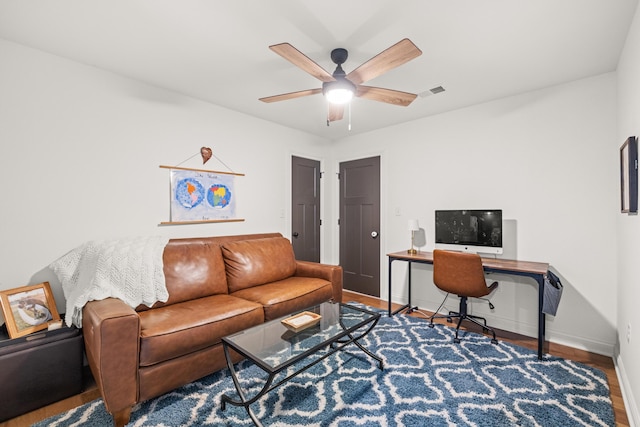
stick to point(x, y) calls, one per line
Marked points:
point(478, 231)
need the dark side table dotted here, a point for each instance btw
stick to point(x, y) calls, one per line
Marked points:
point(39, 369)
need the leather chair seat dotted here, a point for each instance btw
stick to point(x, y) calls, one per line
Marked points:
point(285, 296)
point(178, 329)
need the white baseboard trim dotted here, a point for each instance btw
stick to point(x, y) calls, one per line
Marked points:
point(627, 394)
point(531, 330)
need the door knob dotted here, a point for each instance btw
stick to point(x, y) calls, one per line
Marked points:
point(374, 234)
point(295, 234)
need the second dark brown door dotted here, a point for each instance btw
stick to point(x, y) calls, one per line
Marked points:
point(360, 225)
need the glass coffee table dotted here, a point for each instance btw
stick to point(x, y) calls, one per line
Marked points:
point(274, 347)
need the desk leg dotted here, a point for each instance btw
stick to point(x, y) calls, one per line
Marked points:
point(541, 316)
point(406, 306)
point(409, 309)
point(389, 284)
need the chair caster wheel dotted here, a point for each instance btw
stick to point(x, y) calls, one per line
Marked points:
point(449, 320)
point(456, 340)
point(485, 330)
point(431, 325)
point(494, 341)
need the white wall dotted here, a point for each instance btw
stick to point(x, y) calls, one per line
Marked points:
point(628, 231)
point(547, 159)
point(81, 150)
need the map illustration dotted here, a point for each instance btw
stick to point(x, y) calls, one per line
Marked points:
point(201, 196)
point(189, 193)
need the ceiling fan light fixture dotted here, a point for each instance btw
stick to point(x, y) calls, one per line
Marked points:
point(339, 96)
point(340, 91)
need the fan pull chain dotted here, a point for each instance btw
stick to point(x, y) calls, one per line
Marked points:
point(329, 114)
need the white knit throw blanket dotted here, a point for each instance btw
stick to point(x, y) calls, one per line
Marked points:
point(127, 269)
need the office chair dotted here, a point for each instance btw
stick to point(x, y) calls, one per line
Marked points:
point(461, 274)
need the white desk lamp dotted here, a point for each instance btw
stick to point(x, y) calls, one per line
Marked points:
point(413, 227)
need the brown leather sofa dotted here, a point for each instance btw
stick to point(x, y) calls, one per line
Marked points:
point(217, 286)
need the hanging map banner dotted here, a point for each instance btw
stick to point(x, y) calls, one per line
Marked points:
point(202, 196)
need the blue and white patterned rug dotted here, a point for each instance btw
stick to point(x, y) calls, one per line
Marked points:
point(427, 380)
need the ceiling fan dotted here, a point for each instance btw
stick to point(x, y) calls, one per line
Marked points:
point(340, 87)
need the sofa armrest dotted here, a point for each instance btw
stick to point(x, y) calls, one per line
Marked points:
point(331, 273)
point(111, 331)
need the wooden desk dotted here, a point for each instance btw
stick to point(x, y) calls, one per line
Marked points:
point(534, 270)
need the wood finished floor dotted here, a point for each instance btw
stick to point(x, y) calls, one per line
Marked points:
point(598, 361)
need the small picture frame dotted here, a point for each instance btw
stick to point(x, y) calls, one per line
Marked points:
point(629, 176)
point(28, 309)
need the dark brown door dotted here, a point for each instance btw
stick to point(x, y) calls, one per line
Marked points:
point(305, 208)
point(360, 225)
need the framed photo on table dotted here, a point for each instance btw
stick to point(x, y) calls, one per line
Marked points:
point(28, 309)
point(629, 176)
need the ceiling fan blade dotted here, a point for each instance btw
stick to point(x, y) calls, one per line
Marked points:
point(301, 61)
point(389, 96)
point(336, 112)
point(396, 55)
point(291, 95)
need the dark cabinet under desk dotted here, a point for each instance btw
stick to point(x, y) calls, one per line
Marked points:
point(39, 369)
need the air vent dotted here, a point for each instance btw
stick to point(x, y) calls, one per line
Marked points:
point(433, 91)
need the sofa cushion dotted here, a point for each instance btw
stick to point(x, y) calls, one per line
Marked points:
point(193, 270)
point(178, 329)
point(256, 262)
point(286, 296)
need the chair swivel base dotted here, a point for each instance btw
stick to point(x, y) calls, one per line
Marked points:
point(461, 317)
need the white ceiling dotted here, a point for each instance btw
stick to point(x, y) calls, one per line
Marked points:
point(217, 50)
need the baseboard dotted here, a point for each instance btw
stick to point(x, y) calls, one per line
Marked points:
point(577, 342)
point(627, 393)
point(531, 330)
point(581, 343)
